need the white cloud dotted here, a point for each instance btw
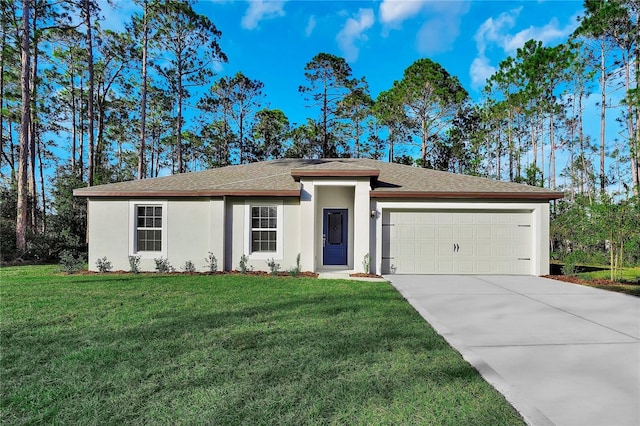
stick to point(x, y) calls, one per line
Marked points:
point(354, 32)
point(495, 33)
point(393, 12)
point(480, 71)
point(438, 34)
point(260, 10)
point(311, 25)
point(492, 30)
point(551, 32)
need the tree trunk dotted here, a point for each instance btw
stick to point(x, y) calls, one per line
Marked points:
point(43, 227)
point(81, 145)
point(552, 159)
point(97, 157)
point(423, 151)
point(91, 141)
point(143, 96)
point(510, 145)
point(325, 141)
point(74, 123)
point(631, 130)
point(33, 128)
point(585, 170)
point(390, 145)
point(2, 139)
point(179, 125)
point(241, 133)
point(21, 219)
point(603, 114)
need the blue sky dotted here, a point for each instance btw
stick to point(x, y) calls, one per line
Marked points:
point(272, 41)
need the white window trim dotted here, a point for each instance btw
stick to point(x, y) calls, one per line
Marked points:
point(276, 255)
point(133, 250)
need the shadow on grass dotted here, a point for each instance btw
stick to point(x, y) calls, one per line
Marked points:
point(300, 359)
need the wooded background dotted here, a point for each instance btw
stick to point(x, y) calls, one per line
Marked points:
point(83, 106)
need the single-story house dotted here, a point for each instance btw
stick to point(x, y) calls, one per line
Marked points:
point(335, 213)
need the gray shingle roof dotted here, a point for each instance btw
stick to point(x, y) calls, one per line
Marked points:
point(279, 178)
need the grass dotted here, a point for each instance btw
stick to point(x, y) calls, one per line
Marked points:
point(154, 349)
point(628, 280)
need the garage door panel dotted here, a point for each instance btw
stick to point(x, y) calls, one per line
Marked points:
point(445, 232)
point(427, 248)
point(466, 232)
point(457, 242)
point(465, 266)
point(407, 249)
point(445, 249)
point(405, 232)
point(444, 266)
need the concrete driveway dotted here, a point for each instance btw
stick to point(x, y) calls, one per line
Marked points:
point(560, 353)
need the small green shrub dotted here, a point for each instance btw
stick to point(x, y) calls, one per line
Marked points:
point(273, 266)
point(569, 269)
point(243, 267)
point(366, 263)
point(104, 265)
point(189, 267)
point(295, 271)
point(162, 265)
point(69, 263)
point(134, 264)
point(212, 262)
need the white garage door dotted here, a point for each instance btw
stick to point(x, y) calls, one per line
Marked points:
point(457, 242)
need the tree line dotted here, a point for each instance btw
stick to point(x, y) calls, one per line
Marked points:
point(82, 105)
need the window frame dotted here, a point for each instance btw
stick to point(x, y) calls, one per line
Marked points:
point(133, 229)
point(248, 243)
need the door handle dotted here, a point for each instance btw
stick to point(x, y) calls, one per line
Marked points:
point(324, 240)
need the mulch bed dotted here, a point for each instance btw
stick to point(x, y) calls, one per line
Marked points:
point(577, 280)
point(253, 273)
point(363, 275)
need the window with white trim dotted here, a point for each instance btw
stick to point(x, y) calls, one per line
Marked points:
point(264, 229)
point(148, 228)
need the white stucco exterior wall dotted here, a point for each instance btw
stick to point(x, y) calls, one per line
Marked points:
point(108, 229)
point(307, 232)
point(238, 233)
point(190, 231)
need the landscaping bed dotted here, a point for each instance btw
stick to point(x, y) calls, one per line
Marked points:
point(593, 280)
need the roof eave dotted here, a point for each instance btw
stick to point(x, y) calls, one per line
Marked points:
point(298, 173)
point(87, 192)
point(552, 195)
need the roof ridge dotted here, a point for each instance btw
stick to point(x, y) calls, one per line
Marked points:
point(253, 179)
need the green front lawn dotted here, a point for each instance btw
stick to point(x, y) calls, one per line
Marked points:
point(172, 349)
point(628, 280)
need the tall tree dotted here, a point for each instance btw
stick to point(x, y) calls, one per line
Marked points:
point(190, 42)
point(141, 25)
point(329, 83)
point(240, 97)
point(596, 27)
point(88, 10)
point(355, 108)
point(10, 92)
point(22, 207)
point(430, 97)
point(389, 111)
point(270, 131)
